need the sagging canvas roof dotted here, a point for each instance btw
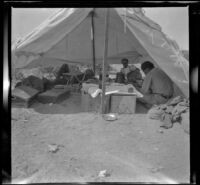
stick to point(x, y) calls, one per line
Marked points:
point(67, 37)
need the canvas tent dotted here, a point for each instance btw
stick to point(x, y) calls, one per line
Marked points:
point(76, 35)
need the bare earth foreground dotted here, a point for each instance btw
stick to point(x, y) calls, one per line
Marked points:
point(130, 149)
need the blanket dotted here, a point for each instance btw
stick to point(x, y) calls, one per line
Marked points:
point(171, 112)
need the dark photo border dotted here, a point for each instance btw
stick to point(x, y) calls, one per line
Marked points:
point(194, 58)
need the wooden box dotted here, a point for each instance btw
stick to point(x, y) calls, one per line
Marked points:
point(53, 95)
point(24, 96)
point(123, 103)
point(90, 104)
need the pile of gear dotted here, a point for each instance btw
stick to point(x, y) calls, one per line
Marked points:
point(175, 110)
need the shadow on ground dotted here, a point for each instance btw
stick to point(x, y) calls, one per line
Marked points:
point(70, 105)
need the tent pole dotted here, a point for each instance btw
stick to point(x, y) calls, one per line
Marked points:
point(104, 62)
point(93, 40)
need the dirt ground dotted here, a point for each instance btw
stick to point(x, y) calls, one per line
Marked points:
point(130, 149)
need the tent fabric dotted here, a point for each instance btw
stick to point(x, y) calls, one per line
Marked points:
point(162, 50)
point(67, 37)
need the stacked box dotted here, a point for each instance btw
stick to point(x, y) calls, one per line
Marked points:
point(24, 96)
point(53, 96)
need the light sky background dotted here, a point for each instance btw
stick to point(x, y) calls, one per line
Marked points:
point(173, 20)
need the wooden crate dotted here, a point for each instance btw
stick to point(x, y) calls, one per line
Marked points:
point(24, 96)
point(90, 104)
point(123, 104)
point(53, 95)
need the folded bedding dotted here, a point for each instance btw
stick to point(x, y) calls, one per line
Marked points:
point(23, 95)
point(54, 95)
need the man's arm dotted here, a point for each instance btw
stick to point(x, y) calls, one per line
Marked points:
point(145, 85)
point(140, 89)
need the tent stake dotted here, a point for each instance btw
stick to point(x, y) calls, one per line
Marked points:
point(93, 41)
point(104, 62)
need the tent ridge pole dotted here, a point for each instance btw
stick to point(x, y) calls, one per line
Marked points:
point(93, 40)
point(105, 61)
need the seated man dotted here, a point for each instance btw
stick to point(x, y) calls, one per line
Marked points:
point(135, 78)
point(126, 68)
point(157, 87)
point(120, 78)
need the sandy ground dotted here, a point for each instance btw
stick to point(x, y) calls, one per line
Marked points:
point(130, 149)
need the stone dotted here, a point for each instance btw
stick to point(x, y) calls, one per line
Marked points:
point(160, 131)
point(53, 148)
point(104, 173)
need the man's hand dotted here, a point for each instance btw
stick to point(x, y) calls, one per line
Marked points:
point(139, 89)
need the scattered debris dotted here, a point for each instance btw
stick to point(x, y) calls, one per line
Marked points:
point(73, 159)
point(160, 131)
point(53, 148)
point(104, 173)
point(156, 169)
point(110, 117)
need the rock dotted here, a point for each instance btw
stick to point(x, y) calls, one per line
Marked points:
point(104, 173)
point(53, 148)
point(156, 169)
point(160, 131)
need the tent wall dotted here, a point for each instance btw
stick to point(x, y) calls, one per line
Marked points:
point(67, 37)
point(76, 45)
point(53, 30)
point(158, 48)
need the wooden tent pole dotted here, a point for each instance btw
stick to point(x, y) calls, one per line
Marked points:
point(93, 40)
point(105, 61)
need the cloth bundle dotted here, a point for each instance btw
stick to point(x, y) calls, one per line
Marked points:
point(171, 112)
point(33, 82)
